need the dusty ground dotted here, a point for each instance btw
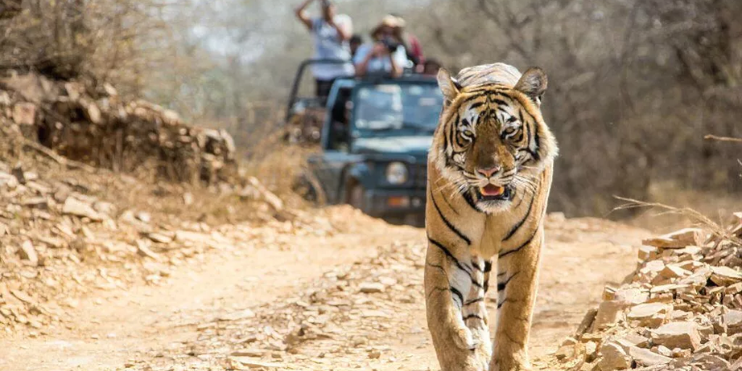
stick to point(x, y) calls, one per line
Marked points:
point(285, 298)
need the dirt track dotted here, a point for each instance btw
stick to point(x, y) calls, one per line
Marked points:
point(237, 307)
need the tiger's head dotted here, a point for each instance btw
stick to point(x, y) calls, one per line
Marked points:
point(492, 142)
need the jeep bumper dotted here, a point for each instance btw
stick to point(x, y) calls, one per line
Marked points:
point(394, 203)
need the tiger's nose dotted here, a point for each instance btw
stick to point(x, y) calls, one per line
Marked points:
point(488, 172)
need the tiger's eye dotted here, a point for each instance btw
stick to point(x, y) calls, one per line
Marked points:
point(468, 133)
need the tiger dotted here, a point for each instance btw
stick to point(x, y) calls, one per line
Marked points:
point(489, 176)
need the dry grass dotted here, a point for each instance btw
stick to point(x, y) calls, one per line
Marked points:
point(717, 229)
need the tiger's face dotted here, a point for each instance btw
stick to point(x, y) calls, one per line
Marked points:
point(492, 141)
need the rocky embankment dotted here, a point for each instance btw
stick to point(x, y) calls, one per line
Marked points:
point(680, 310)
point(97, 127)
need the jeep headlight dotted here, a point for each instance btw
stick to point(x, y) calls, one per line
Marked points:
point(397, 173)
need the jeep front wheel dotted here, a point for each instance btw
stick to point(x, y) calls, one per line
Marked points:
point(356, 197)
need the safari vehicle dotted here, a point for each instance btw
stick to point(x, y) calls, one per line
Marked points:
point(374, 143)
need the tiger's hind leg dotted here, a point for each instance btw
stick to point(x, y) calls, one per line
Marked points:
point(516, 286)
point(447, 281)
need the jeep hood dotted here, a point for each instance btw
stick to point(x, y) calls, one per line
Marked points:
point(407, 145)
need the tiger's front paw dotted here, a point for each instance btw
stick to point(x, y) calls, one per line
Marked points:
point(509, 365)
point(464, 339)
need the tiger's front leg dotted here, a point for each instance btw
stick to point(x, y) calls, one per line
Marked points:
point(448, 283)
point(516, 286)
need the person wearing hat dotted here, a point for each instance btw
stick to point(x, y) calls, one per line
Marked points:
point(331, 34)
point(410, 42)
point(385, 56)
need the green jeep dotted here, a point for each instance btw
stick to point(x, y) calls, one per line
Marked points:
point(375, 140)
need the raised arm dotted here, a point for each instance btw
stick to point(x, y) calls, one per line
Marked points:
point(343, 31)
point(301, 13)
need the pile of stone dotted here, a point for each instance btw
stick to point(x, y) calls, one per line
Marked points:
point(98, 127)
point(680, 310)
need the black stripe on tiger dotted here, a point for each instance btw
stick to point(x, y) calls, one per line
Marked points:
point(537, 141)
point(515, 250)
point(475, 265)
point(448, 253)
point(519, 224)
point(502, 285)
point(500, 102)
point(473, 316)
point(456, 292)
point(472, 301)
point(448, 224)
point(470, 200)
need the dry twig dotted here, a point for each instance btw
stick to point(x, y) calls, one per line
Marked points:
point(723, 139)
point(57, 158)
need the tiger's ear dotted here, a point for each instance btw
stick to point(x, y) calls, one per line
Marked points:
point(533, 84)
point(449, 86)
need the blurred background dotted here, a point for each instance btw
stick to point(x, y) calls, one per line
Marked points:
point(634, 85)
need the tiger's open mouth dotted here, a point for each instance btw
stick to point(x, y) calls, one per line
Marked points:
point(491, 192)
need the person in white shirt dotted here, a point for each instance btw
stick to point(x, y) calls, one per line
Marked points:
point(386, 56)
point(331, 34)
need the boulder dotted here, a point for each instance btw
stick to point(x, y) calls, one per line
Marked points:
point(683, 335)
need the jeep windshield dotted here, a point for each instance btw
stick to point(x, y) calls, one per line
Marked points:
point(406, 107)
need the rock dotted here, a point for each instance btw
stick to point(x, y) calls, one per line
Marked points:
point(73, 206)
point(678, 239)
point(647, 253)
point(251, 362)
point(24, 113)
point(711, 362)
point(22, 296)
point(725, 276)
point(682, 335)
point(374, 354)
point(19, 174)
point(28, 252)
point(143, 217)
point(652, 314)
point(236, 316)
point(106, 208)
point(143, 250)
point(733, 321)
point(644, 357)
point(587, 322)
point(609, 313)
point(631, 295)
point(188, 198)
point(673, 271)
point(665, 351)
point(36, 202)
point(248, 353)
point(160, 237)
point(371, 287)
point(269, 197)
point(591, 351)
point(635, 340)
point(565, 352)
point(614, 357)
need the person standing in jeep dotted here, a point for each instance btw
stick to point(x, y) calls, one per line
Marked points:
point(331, 34)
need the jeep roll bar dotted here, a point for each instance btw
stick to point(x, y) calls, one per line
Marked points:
point(300, 74)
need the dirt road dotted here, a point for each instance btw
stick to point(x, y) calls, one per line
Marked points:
point(348, 300)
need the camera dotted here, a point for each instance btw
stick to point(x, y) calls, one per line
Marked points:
point(390, 44)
